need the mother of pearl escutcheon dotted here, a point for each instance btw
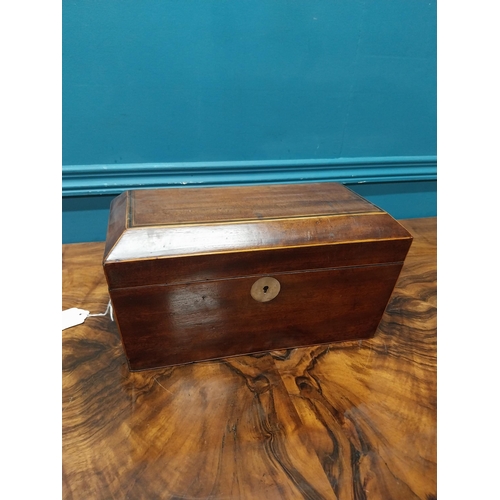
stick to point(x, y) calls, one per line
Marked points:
point(265, 289)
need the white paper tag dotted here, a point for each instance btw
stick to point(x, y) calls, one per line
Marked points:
point(72, 317)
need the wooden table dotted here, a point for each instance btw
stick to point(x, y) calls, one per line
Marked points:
point(352, 420)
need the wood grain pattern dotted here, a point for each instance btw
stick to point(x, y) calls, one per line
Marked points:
point(168, 325)
point(229, 203)
point(209, 267)
point(352, 420)
point(205, 239)
point(181, 222)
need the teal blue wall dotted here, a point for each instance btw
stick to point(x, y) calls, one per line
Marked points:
point(207, 92)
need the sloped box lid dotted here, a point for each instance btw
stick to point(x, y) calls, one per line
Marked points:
point(181, 235)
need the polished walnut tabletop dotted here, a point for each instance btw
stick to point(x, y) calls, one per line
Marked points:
point(350, 420)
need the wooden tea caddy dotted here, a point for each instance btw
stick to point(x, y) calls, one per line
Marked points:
point(203, 273)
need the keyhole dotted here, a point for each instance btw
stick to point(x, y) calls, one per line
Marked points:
point(265, 289)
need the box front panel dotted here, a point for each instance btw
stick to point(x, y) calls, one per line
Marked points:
point(166, 325)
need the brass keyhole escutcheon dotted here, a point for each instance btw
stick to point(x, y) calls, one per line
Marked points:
point(265, 289)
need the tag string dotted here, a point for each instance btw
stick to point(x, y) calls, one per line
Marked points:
point(108, 309)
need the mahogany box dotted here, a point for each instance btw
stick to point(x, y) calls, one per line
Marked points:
point(204, 273)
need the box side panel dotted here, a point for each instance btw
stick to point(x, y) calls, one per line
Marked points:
point(164, 325)
point(219, 204)
point(117, 222)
